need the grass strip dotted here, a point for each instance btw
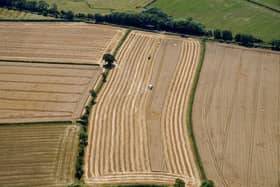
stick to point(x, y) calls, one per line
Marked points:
point(190, 112)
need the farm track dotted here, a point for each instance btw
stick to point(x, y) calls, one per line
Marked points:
point(119, 140)
point(69, 43)
point(30, 155)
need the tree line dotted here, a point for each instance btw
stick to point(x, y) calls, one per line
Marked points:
point(40, 7)
point(150, 19)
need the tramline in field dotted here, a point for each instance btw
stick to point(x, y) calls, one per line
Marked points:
point(38, 155)
point(138, 134)
point(236, 116)
point(76, 43)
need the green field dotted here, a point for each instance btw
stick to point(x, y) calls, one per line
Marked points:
point(271, 3)
point(99, 6)
point(13, 14)
point(237, 16)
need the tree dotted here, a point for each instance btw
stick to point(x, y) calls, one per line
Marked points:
point(42, 6)
point(54, 10)
point(246, 39)
point(275, 45)
point(109, 59)
point(179, 183)
point(69, 15)
point(207, 183)
point(217, 34)
point(227, 35)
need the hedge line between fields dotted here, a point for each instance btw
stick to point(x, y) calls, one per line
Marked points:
point(205, 181)
point(84, 121)
point(150, 19)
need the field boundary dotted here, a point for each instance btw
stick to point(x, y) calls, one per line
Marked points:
point(41, 122)
point(83, 122)
point(190, 111)
point(264, 6)
point(46, 62)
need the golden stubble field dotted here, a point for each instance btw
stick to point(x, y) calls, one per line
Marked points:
point(78, 43)
point(44, 92)
point(237, 116)
point(137, 134)
point(48, 69)
point(38, 154)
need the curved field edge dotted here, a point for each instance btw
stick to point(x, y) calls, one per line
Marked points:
point(190, 112)
point(84, 121)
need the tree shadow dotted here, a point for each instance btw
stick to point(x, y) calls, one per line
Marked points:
point(109, 66)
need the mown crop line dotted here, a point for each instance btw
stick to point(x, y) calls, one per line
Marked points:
point(190, 112)
point(84, 121)
point(46, 62)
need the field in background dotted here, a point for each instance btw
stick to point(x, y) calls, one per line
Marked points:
point(271, 3)
point(237, 16)
point(236, 116)
point(14, 14)
point(32, 92)
point(137, 134)
point(37, 155)
point(78, 43)
point(99, 6)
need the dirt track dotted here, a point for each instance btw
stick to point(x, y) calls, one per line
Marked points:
point(37, 155)
point(44, 92)
point(57, 42)
point(237, 116)
point(139, 135)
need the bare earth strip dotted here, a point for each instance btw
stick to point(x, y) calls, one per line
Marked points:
point(44, 92)
point(37, 155)
point(57, 42)
point(237, 116)
point(137, 134)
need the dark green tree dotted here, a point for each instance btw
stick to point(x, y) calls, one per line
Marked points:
point(207, 183)
point(275, 45)
point(227, 35)
point(179, 183)
point(217, 34)
point(42, 6)
point(109, 59)
point(69, 15)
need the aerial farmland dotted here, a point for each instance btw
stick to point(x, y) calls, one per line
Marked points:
point(139, 93)
point(236, 115)
point(133, 129)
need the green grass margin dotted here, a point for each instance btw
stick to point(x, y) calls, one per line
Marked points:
point(190, 112)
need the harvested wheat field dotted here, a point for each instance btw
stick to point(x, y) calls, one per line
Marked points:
point(44, 92)
point(236, 116)
point(57, 42)
point(138, 135)
point(37, 155)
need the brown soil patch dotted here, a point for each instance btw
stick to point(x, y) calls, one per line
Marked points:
point(236, 116)
point(137, 134)
point(57, 42)
point(44, 92)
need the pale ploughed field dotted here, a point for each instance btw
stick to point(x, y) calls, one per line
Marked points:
point(237, 116)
